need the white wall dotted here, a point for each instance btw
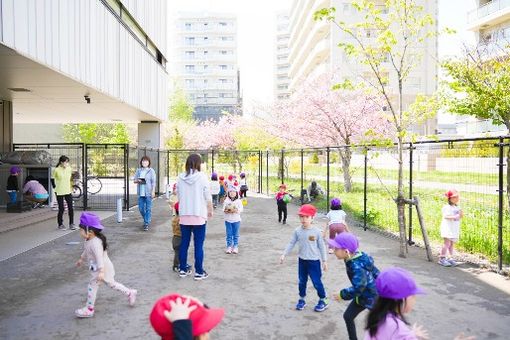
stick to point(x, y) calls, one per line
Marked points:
point(84, 40)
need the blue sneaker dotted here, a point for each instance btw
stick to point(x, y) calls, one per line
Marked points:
point(300, 304)
point(444, 262)
point(322, 305)
point(452, 262)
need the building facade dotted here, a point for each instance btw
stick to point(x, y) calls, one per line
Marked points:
point(313, 50)
point(83, 61)
point(206, 68)
point(281, 63)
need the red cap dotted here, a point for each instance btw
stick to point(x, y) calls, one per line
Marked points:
point(230, 177)
point(282, 186)
point(451, 193)
point(202, 318)
point(222, 178)
point(176, 206)
point(307, 210)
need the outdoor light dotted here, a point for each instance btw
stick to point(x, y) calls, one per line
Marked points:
point(87, 98)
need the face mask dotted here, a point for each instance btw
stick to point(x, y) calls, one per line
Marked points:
point(145, 164)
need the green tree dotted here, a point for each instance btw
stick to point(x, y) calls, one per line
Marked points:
point(477, 85)
point(180, 108)
point(96, 133)
point(387, 41)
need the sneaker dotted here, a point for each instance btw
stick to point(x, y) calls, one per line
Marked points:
point(36, 205)
point(301, 304)
point(284, 222)
point(184, 273)
point(452, 262)
point(72, 226)
point(200, 277)
point(235, 250)
point(62, 227)
point(175, 269)
point(145, 227)
point(229, 250)
point(444, 262)
point(84, 313)
point(132, 297)
point(322, 305)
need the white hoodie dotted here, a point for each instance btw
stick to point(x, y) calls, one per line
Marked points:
point(193, 193)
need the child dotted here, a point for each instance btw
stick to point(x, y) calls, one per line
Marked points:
point(176, 238)
point(397, 296)
point(311, 251)
point(12, 183)
point(243, 189)
point(99, 264)
point(222, 189)
point(361, 272)
point(450, 227)
point(281, 203)
point(215, 189)
point(232, 207)
point(336, 220)
point(178, 317)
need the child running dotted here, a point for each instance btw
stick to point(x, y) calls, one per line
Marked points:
point(361, 272)
point(397, 296)
point(311, 252)
point(450, 227)
point(100, 266)
point(281, 203)
point(215, 189)
point(336, 221)
point(232, 207)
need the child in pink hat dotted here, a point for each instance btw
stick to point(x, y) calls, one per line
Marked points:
point(100, 265)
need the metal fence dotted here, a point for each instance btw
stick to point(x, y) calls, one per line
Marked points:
point(364, 177)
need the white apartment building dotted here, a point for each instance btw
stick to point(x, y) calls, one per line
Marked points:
point(281, 63)
point(313, 50)
point(80, 61)
point(205, 63)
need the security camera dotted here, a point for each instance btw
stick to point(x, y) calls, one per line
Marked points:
point(87, 99)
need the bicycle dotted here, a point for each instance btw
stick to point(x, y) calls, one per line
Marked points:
point(94, 185)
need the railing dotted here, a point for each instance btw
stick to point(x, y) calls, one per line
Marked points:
point(487, 9)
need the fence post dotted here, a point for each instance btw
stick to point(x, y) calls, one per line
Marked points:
point(85, 173)
point(259, 182)
point(411, 161)
point(126, 174)
point(302, 179)
point(267, 172)
point(167, 168)
point(365, 190)
point(212, 160)
point(500, 203)
point(158, 175)
point(327, 177)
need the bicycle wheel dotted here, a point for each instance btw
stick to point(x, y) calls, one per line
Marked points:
point(76, 193)
point(94, 185)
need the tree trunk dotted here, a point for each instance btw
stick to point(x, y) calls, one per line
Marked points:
point(400, 200)
point(345, 156)
point(508, 174)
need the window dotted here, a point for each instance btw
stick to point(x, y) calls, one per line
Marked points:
point(223, 23)
point(187, 26)
point(206, 81)
point(223, 52)
point(206, 38)
point(226, 95)
point(189, 54)
point(206, 67)
point(223, 67)
point(222, 81)
point(227, 38)
point(189, 40)
point(346, 7)
point(206, 23)
point(190, 68)
point(414, 82)
point(190, 83)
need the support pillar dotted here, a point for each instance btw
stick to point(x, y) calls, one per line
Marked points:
point(6, 126)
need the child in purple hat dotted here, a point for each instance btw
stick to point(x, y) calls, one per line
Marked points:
point(397, 296)
point(99, 263)
point(361, 272)
point(336, 221)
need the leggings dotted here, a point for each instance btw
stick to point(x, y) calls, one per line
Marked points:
point(69, 201)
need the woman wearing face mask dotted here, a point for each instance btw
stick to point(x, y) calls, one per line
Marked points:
point(145, 177)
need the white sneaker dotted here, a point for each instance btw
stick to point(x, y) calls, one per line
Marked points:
point(84, 313)
point(229, 250)
point(235, 250)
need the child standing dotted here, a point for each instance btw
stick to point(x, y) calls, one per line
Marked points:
point(397, 296)
point(232, 207)
point(450, 227)
point(336, 220)
point(311, 252)
point(222, 189)
point(12, 183)
point(176, 238)
point(361, 272)
point(99, 263)
point(215, 189)
point(243, 189)
point(281, 203)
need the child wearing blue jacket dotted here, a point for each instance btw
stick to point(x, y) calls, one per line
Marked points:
point(361, 272)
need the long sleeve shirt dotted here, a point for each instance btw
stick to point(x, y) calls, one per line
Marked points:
point(12, 183)
point(310, 242)
point(233, 217)
point(98, 258)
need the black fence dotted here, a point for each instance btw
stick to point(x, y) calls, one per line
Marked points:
point(363, 177)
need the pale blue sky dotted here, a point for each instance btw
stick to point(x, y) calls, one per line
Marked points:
point(256, 37)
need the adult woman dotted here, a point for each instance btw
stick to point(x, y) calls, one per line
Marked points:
point(145, 177)
point(35, 192)
point(61, 182)
point(195, 207)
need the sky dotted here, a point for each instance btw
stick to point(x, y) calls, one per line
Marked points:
point(256, 37)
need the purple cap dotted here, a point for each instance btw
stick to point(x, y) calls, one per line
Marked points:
point(90, 220)
point(396, 283)
point(242, 175)
point(15, 170)
point(335, 202)
point(346, 241)
point(214, 176)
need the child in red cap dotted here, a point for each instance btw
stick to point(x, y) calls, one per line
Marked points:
point(175, 317)
point(281, 203)
point(450, 227)
point(312, 251)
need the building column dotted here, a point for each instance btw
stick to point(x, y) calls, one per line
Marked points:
point(6, 126)
point(149, 134)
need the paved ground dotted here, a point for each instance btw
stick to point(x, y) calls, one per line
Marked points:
point(41, 288)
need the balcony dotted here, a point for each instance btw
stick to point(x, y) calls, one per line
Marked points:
point(489, 14)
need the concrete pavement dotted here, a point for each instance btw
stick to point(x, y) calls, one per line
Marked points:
point(41, 288)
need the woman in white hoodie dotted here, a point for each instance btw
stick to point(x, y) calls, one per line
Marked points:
point(195, 207)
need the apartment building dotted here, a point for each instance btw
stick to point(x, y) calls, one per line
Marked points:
point(281, 63)
point(205, 55)
point(313, 50)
